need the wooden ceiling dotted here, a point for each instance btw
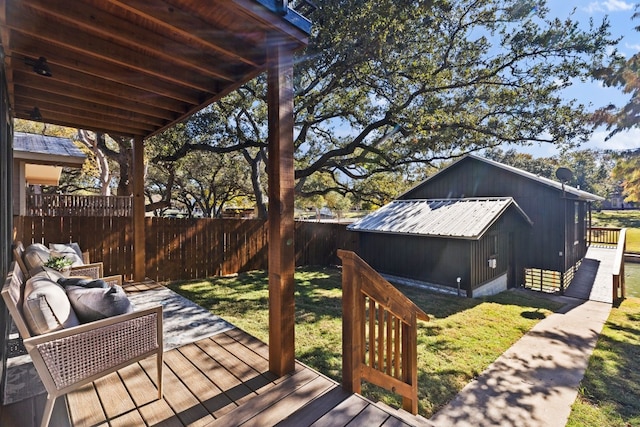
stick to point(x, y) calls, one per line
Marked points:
point(135, 67)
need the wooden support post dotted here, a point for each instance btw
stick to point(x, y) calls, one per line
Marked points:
point(139, 258)
point(352, 324)
point(281, 182)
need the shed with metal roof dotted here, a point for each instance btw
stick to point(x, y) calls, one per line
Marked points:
point(437, 241)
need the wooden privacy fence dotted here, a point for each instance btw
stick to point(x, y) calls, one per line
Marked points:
point(179, 248)
point(379, 333)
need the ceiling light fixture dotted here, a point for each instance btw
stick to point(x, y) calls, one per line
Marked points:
point(35, 114)
point(40, 66)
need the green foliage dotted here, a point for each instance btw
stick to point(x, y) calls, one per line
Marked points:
point(624, 74)
point(592, 170)
point(392, 87)
point(58, 263)
point(627, 170)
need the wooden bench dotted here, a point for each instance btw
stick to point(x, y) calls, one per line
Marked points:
point(67, 359)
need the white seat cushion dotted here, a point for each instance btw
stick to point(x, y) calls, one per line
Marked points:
point(46, 307)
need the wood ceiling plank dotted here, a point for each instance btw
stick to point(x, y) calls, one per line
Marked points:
point(109, 76)
point(195, 31)
point(93, 125)
point(104, 50)
point(93, 21)
point(114, 114)
point(80, 100)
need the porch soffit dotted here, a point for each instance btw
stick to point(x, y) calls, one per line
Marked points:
point(136, 67)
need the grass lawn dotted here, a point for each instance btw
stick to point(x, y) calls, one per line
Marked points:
point(609, 395)
point(463, 337)
point(627, 218)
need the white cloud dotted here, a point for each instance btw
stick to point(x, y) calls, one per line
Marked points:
point(608, 6)
point(633, 47)
point(625, 140)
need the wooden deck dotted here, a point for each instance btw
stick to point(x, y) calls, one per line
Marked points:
point(222, 380)
point(593, 280)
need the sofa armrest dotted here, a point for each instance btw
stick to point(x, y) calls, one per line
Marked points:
point(71, 357)
point(113, 280)
point(94, 271)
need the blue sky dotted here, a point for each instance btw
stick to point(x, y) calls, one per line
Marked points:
point(619, 13)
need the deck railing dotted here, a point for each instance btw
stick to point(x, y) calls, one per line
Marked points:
point(618, 267)
point(607, 236)
point(78, 205)
point(379, 333)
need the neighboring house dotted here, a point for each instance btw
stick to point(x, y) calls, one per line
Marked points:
point(543, 254)
point(38, 160)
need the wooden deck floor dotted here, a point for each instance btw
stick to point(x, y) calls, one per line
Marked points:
point(218, 381)
point(593, 280)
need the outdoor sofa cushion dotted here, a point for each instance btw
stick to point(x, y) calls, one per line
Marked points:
point(45, 306)
point(70, 251)
point(91, 303)
point(35, 255)
point(81, 281)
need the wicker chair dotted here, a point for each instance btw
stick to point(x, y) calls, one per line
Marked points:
point(93, 270)
point(67, 359)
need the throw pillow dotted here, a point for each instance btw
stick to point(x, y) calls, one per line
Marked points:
point(66, 247)
point(85, 283)
point(98, 303)
point(46, 307)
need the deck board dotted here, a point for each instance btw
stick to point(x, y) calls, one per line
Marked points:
point(222, 380)
point(114, 395)
point(87, 409)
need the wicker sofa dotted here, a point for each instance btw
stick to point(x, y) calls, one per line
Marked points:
point(72, 354)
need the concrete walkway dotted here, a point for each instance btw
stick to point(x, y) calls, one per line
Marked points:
point(535, 382)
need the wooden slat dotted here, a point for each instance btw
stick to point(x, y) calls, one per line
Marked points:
point(186, 406)
point(87, 410)
point(244, 372)
point(317, 408)
point(294, 401)
point(159, 413)
point(212, 397)
point(140, 387)
point(218, 374)
point(371, 416)
point(342, 414)
point(114, 396)
point(127, 420)
point(265, 401)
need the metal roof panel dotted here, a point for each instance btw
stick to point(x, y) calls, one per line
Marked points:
point(456, 218)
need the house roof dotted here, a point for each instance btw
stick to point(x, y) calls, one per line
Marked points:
point(135, 68)
point(583, 195)
point(46, 150)
point(453, 218)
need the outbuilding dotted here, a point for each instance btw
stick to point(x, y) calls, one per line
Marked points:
point(538, 237)
point(462, 246)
